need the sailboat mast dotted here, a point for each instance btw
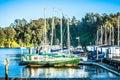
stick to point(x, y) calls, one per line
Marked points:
point(68, 33)
point(61, 29)
point(110, 36)
point(45, 24)
point(118, 30)
point(119, 33)
point(97, 37)
point(101, 36)
point(52, 27)
point(105, 35)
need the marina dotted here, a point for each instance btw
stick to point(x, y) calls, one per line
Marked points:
point(59, 40)
point(85, 70)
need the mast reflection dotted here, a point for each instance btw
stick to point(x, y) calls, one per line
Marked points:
point(54, 72)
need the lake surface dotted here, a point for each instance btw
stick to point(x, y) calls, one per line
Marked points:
point(16, 71)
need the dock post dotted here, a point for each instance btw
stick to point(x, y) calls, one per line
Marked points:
point(30, 50)
point(100, 60)
point(6, 68)
point(96, 53)
point(97, 70)
point(110, 54)
point(118, 67)
point(37, 50)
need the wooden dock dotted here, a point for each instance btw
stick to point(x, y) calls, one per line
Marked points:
point(113, 62)
point(102, 65)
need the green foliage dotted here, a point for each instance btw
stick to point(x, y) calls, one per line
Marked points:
point(21, 33)
point(2, 37)
point(10, 33)
point(14, 44)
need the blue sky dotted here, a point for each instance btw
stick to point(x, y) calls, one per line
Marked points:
point(34, 9)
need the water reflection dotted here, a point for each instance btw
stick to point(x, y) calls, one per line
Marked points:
point(97, 72)
point(55, 72)
point(81, 72)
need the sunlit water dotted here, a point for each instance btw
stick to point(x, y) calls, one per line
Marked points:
point(83, 71)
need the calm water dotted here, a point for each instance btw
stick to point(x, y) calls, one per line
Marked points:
point(24, 72)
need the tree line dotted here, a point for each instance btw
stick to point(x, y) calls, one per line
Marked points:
point(23, 33)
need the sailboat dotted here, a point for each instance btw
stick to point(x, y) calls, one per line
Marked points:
point(49, 59)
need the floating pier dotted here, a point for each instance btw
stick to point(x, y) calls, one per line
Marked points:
point(102, 65)
point(113, 62)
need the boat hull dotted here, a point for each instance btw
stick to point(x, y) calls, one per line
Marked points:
point(56, 63)
point(49, 60)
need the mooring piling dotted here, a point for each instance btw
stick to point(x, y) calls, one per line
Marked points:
point(6, 68)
